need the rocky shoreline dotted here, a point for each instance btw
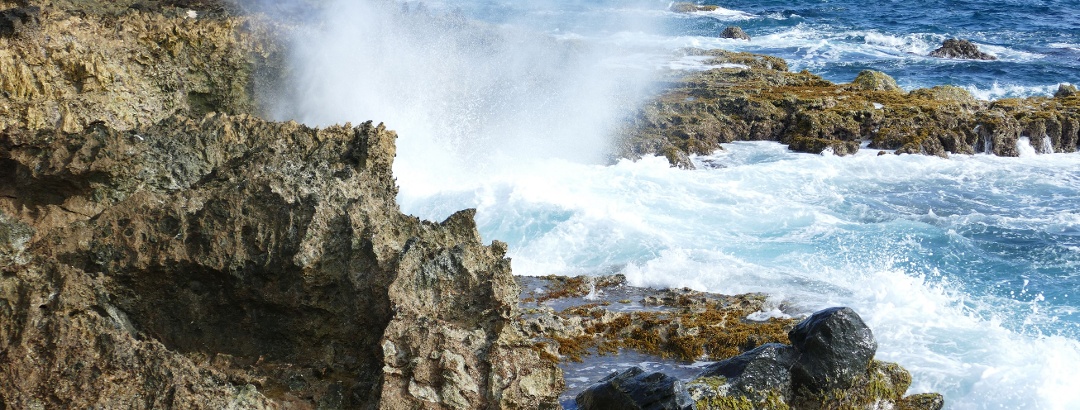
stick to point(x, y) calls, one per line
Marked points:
point(759, 360)
point(163, 246)
point(754, 97)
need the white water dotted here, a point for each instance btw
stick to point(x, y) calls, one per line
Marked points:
point(778, 222)
point(515, 125)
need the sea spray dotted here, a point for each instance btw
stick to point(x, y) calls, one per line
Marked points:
point(466, 97)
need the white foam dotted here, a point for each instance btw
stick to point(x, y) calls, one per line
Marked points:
point(699, 63)
point(766, 222)
point(1024, 148)
point(1009, 54)
point(723, 14)
point(997, 91)
point(1067, 46)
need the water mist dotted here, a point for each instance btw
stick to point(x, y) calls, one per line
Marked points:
point(468, 99)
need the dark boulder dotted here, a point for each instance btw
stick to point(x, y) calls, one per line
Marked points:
point(758, 372)
point(17, 20)
point(735, 32)
point(834, 347)
point(633, 389)
point(960, 49)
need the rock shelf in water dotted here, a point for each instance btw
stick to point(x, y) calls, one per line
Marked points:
point(764, 101)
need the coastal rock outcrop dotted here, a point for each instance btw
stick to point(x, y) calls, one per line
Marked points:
point(136, 68)
point(760, 375)
point(960, 49)
point(271, 252)
point(751, 97)
point(734, 32)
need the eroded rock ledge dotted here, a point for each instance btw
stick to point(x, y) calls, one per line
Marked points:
point(763, 101)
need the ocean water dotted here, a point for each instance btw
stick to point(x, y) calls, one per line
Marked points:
point(967, 269)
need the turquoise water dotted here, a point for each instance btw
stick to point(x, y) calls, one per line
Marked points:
point(966, 268)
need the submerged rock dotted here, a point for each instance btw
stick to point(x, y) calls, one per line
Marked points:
point(735, 32)
point(633, 389)
point(960, 49)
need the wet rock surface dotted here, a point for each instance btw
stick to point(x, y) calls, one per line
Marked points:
point(750, 97)
point(754, 374)
point(960, 49)
point(834, 346)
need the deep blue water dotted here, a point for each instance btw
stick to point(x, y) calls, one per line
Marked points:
point(1038, 42)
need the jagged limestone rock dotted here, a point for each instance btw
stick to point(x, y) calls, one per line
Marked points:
point(273, 245)
point(134, 69)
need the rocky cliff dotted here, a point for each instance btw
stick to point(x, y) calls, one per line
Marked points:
point(161, 248)
point(755, 97)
